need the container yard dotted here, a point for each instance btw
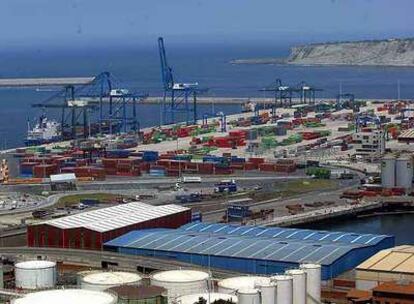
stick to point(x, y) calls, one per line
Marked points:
point(203, 208)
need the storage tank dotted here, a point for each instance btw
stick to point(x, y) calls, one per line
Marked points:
point(267, 293)
point(104, 280)
point(181, 282)
point(81, 274)
point(404, 172)
point(231, 285)
point(248, 296)
point(128, 294)
point(284, 289)
point(209, 297)
point(388, 171)
point(313, 281)
point(67, 296)
point(299, 285)
point(35, 274)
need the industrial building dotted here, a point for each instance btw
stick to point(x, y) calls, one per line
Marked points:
point(90, 230)
point(253, 249)
point(392, 264)
point(369, 143)
point(397, 171)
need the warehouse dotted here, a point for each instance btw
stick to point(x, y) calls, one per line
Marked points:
point(252, 249)
point(392, 264)
point(89, 230)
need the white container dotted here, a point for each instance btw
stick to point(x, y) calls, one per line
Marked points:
point(103, 280)
point(231, 285)
point(284, 289)
point(388, 172)
point(35, 274)
point(267, 293)
point(67, 296)
point(181, 282)
point(404, 173)
point(313, 282)
point(248, 296)
point(299, 285)
point(209, 297)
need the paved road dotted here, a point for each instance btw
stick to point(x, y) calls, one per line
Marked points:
point(98, 258)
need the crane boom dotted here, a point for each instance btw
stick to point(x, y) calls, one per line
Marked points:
point(166, 71)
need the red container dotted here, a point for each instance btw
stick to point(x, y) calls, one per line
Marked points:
point(256, 160)
point(267, 167)
point(250, 166)
point(42, 171)
point(223, 171)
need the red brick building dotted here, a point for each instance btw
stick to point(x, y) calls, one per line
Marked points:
point(90, 230)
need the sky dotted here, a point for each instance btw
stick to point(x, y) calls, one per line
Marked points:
point(25, 23)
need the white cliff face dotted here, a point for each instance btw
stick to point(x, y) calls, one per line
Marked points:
point(393, 52)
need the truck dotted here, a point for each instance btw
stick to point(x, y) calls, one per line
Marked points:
point(226, 186)
point(190, 179)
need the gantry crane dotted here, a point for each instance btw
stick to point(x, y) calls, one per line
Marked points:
point(176, 99)
point(101, 95)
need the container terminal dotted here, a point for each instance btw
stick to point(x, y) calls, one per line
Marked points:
point(204, 208)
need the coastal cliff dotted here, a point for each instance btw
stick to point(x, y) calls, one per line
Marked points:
point(391, 52)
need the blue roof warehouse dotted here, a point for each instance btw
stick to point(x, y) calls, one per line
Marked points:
point(253, 249)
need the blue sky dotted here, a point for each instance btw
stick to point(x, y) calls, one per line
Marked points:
point(85, 22)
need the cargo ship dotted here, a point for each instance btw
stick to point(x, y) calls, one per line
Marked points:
point(45, 131)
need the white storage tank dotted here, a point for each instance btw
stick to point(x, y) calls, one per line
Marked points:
point(299, 285)
point(388, 171)
point(82, 274)
point(209, 297)
point(231, 285)
point(267, 293)
point(36, 274)
point(67, 296)
point(404, 172)
point(313, 282)
point(181, 282)
point(103, 280)
point(284, 289)
point(248, 296)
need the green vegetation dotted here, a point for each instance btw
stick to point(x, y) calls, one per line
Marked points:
point(295, 187)
point(75, 199)
point(319, 172)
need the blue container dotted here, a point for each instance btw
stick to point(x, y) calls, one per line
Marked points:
point(117, 153)
point(157, 172)
point(235, 159)
point(26, 170)
point(150, 156)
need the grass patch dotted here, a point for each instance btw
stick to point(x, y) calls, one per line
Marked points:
point(296, 187)
point(75, 199)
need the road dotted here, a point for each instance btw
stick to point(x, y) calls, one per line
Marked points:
point(99, 258)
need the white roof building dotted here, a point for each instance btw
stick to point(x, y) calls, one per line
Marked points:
point(107, 219)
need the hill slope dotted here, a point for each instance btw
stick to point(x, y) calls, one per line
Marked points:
point(393, 52)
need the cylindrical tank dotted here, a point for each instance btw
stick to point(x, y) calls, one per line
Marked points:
point(404, 173)
point(35, 274)
point(67, 296)
point(231, 285)
point(181, 282)
point(104, 280)
point(128, 294)
point(299, 285)
point(81, 274)
point(248, 296)
point(388, 171)
point(284, 289)
point(313, 282)
point(209, 297)
point(267, 293)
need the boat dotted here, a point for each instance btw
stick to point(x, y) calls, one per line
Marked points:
point(45, 131)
